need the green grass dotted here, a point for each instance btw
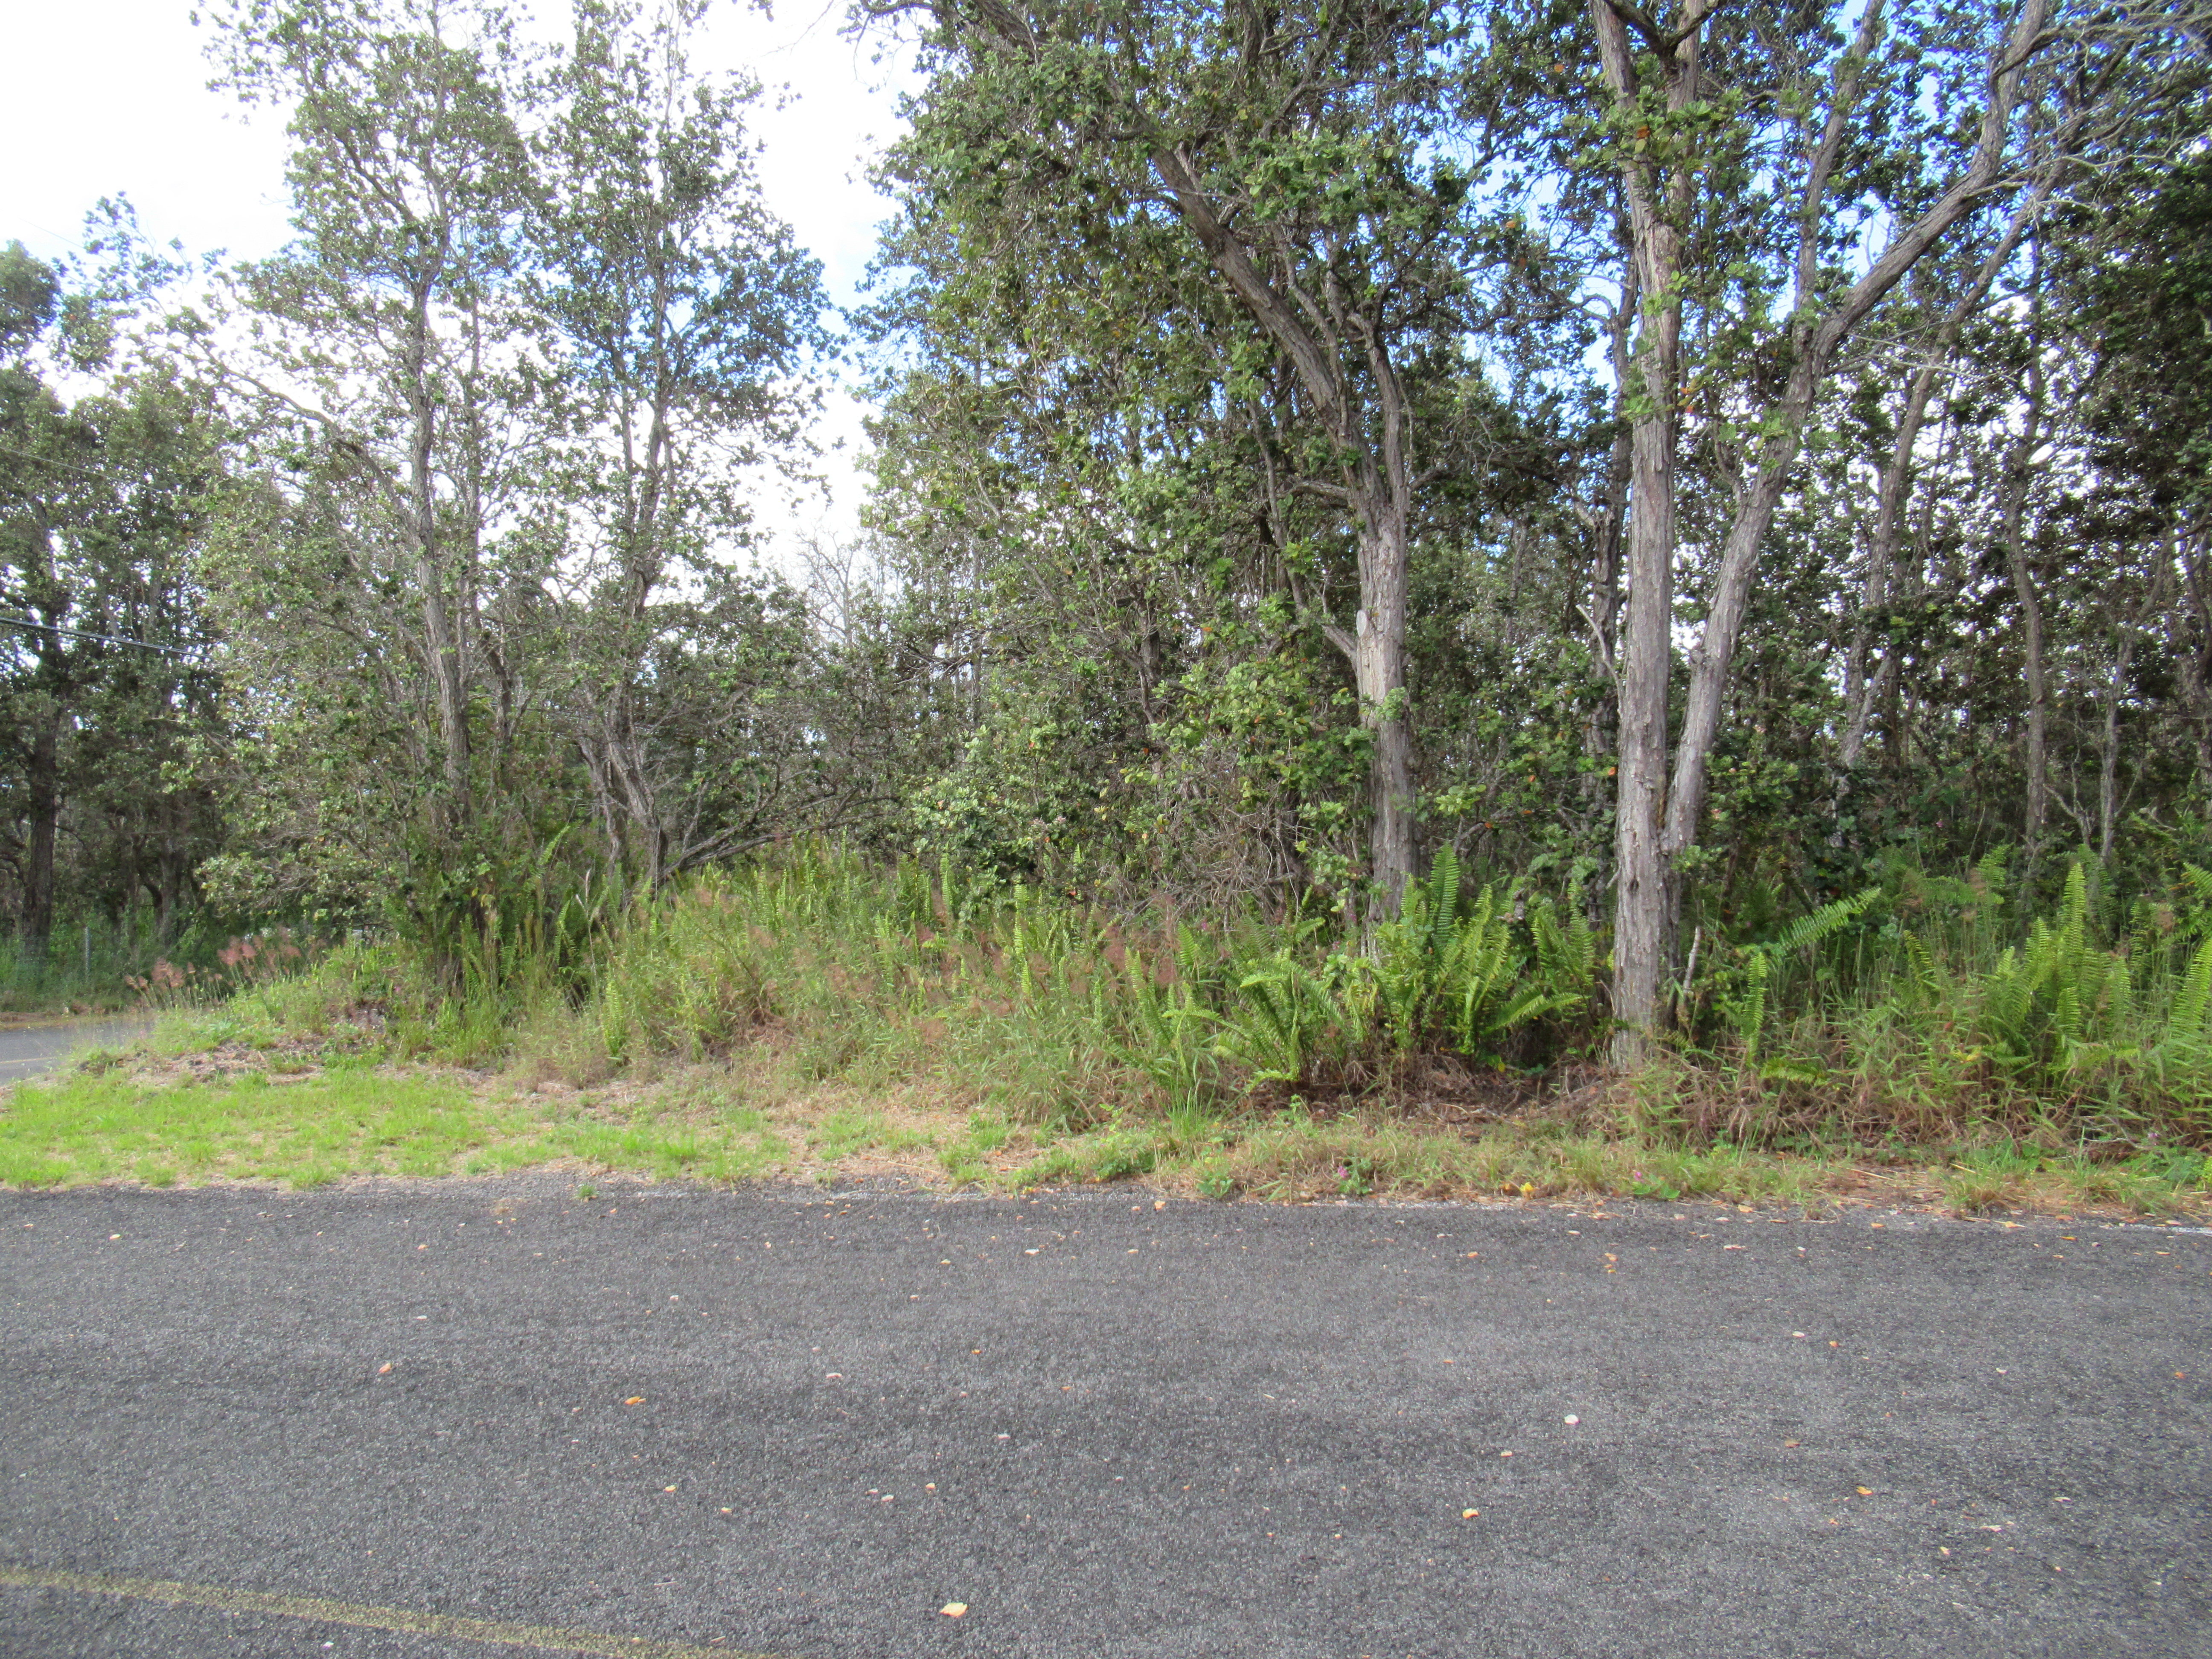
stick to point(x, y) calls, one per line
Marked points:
point(1910, 1041)
point(843, 1132)
point(108, 1125)
point(82, 1128)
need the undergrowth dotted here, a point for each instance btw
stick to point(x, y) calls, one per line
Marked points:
point(1917, 1022)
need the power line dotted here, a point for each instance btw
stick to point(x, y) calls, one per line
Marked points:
point(100, 639)
point(38, 459)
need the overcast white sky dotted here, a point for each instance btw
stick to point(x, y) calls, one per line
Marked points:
point(111, 95)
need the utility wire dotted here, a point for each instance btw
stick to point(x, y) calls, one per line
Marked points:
point(37, 459)
point(100, 639)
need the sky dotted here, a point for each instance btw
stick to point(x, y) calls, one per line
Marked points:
point(110, 96)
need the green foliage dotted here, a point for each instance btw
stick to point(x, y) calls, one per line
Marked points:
point(1292, 1019)
point(1459, 972)
point(2050, 1005)
point(1170, 1039)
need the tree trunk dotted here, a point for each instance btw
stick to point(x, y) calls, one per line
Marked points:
point(2020, 477)
point(1861, 690)
point(172, 870)
point(442, 646)
point(43, 786)
point(2037, 800)
point(1640, 899)
point(1642, 902)
point(2108, 757)
point(1376, 489)
point(2188, 637)
point(1379, 666)
point(1646, 909)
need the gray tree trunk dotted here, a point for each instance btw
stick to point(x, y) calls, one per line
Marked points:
point(1379, 666)
point(2019, 481)
point(1647, 897)
point(42, 778)
point(1642, 902)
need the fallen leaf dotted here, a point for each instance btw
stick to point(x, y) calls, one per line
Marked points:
point(635, 1400)
point(1789, 1443)
point(1468, 1515)
point(1160, 1204)
point(384, 1368)
point(954, 1609)
point(668, 1489)
point(1866, 1491)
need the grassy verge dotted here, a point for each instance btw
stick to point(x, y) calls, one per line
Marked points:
point(310, 1130)
point(232, 1112)
point(812, 1018)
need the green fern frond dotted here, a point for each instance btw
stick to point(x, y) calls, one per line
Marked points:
point(1825, 922)
point(2192, 1003)
point(1793, 1071)
point(1990, 872)
point(1927, 988)
point(2196, 901)
point(1749, 1011)
point(1443, 898)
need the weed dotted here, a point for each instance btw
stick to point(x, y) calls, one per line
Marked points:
point(1243, 1056)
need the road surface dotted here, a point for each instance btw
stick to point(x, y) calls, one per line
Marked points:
point(478, 1419)
point(27, 1050)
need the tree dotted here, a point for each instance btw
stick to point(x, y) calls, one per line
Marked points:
point(1328, 169)
point(380, 370)
point(107, 678)
point(681, 316)
point(1714, 107)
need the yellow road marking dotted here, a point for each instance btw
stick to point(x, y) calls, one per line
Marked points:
point(544, 1638)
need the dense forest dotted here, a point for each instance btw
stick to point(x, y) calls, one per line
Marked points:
point(1548, 532)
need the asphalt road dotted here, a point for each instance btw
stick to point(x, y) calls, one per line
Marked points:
point(668, 1422)
point(26, 1050)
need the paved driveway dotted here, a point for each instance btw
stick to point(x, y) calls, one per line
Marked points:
point(483, 1418)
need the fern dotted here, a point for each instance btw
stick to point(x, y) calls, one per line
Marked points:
point(1825, 923)
point(1927, 986)
point(2192, 1003)
point(2185, 1045)
point(1990, 873)
point(1285, 1017)
point(2196, 901)
point(1566, 952)
point(1748, 1012)
point(1171, 1047)
point(2058, 1004)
